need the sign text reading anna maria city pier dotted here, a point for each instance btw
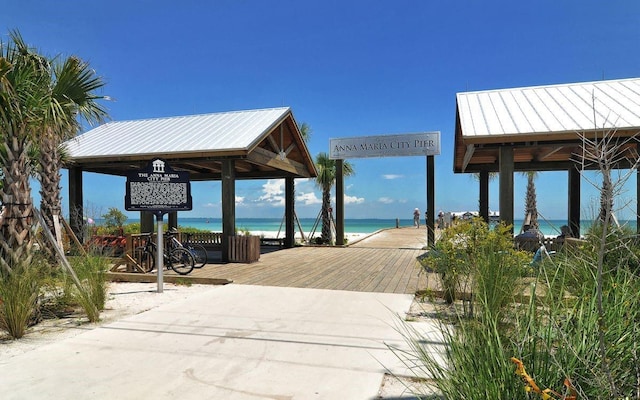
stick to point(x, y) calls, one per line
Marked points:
point(415, 144)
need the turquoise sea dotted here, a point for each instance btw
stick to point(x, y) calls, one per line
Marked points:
point(547, 227)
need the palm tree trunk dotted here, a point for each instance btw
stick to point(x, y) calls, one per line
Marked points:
point(326, 220)
point(16, 240)
point(531, 206)
point(50, 203)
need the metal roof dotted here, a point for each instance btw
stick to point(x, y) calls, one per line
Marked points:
point(264, 143)
point(225, 131)
point(548, 109)
point(543, 124)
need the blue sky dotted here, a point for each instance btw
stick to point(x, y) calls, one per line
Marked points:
point(346, 68)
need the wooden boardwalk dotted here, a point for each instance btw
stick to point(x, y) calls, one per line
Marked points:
point(383, 262)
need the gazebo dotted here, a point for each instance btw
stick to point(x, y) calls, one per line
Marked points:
point(227, 146)
point(540, 129)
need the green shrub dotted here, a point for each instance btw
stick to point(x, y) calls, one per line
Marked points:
point(470, 257)
point(19, 292)
point(92, 294)
point(577, 325)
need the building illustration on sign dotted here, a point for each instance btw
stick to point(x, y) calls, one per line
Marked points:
point(158, 166)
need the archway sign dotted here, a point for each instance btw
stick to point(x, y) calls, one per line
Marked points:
point(158, 189)
point(401, 145)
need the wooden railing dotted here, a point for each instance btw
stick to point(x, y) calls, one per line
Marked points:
point(210, 240)
point(241, 248)
point(533, 244)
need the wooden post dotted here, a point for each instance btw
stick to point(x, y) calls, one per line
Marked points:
point(228, 205)
point(484, 195)
point(431, 200)
point(76, 211)
point(147, 222)
point(339, 202)
point(172, 222)
point(506, 185)
point(574, 201)
point(289, 212)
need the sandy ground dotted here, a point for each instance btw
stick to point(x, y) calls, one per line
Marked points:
point(126, 298)
point(123, 299)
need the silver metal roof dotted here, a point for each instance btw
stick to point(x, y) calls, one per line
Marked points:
point(549, 109)
point(225, 131)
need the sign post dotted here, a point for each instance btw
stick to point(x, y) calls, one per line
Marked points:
point(159, 189)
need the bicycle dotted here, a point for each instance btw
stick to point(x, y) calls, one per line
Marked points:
point(198, 251)
point(176, 258)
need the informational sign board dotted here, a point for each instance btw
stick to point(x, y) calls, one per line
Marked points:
point(414, 144)
point(158, 188)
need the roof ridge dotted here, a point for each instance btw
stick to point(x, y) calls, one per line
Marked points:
point(603, 81)
point(199, 115)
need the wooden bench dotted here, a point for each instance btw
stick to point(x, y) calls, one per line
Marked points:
point(272, 242)
point(209, 240)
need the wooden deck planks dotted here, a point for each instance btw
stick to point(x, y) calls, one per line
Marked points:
point(385, 262)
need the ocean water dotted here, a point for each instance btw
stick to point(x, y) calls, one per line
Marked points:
point(547, 227)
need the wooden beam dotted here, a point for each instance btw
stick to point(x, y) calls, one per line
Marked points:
point(549, 153)
point(268, 158)
point(467, 156)
point(273, 144)
point(288, 149)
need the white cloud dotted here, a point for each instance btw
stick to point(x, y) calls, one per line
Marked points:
point(392, 176)
point(210, 205)
point(239, 200)
point(353, 200)
point(273, 192)
point(273, 187)
point(386, 200)
point(308, 198)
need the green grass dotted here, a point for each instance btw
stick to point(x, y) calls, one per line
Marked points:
point(574, 322)
point(19, 298)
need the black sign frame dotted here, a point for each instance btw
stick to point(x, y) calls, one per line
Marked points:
point(158, 188)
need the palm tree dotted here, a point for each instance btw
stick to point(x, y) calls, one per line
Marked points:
point(325, 180)
point(73, 95)
point(531, 203)
point(23, 94)
point(39, 103)
point(305, 132)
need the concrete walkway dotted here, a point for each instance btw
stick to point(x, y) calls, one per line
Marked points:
point(232, 342)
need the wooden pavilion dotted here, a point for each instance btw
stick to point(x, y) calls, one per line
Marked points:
point(228, 146)
point(541, 129)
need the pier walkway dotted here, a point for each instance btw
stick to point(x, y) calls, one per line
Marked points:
point(384, 262)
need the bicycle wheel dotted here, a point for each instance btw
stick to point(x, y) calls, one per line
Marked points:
point(199, 254)
point(181, 261)
point(145, 259)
